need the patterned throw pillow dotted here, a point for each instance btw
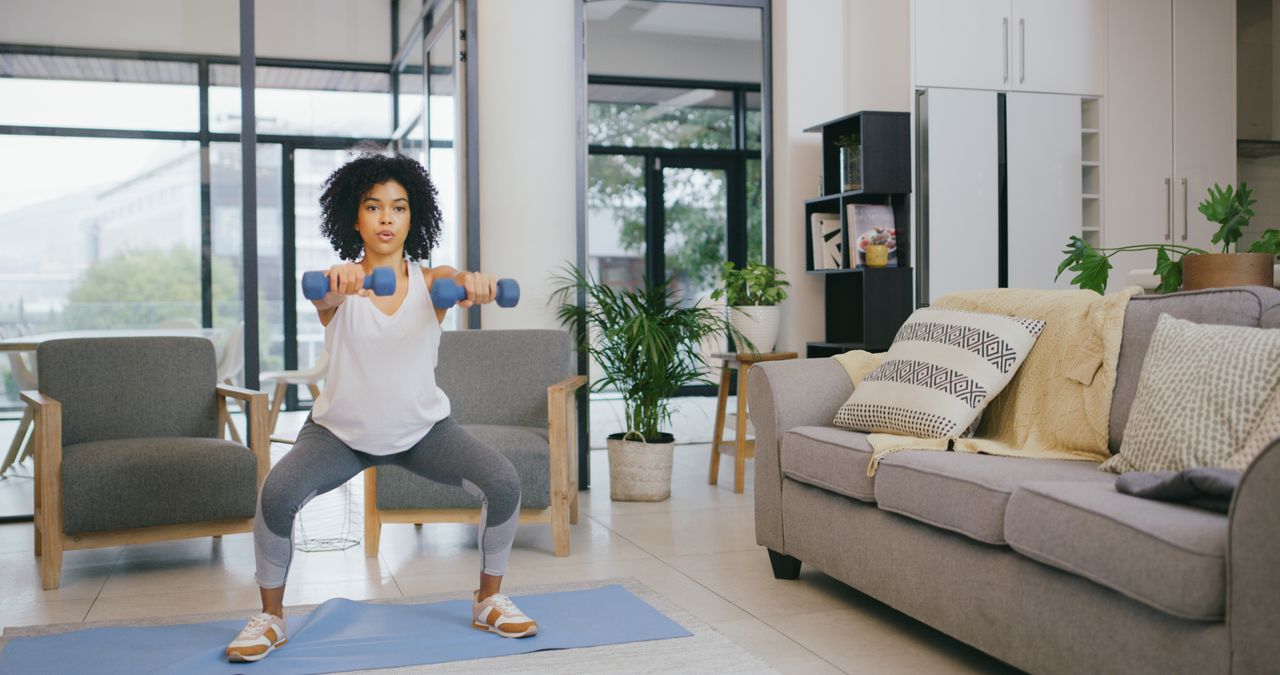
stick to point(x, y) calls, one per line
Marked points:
point(943, 368)
point(1207, 396)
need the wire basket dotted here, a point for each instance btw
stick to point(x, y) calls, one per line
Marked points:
point(333, 521)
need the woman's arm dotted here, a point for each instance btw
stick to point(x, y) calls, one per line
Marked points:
point(481, 288)
point(344, 280)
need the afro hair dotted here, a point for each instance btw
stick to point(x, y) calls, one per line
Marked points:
point(343, 190)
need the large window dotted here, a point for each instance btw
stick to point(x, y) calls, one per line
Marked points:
point(103, 214)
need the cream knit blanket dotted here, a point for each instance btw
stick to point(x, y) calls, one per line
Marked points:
point(1058, 405)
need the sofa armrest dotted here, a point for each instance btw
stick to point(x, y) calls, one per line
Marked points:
point(258, 412)
point(783, 395)
point(1253, 561)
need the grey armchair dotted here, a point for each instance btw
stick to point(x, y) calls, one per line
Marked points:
point(513, 389)
point(128, 446)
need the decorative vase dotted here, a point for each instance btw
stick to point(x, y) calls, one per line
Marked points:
point(640, 471)
point(877, 255)
point(850, 168)
point(759, 323)
point(1220, 270)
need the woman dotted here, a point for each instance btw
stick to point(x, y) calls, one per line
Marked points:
point(381, 405)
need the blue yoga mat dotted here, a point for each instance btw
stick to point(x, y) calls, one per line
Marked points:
point(343, 635)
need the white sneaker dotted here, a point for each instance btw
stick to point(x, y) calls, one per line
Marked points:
point(260, 636)
point(497, 614)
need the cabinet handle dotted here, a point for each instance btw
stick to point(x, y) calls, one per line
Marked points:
point(1022, 50)
point(1184, 209)
point(1168, 209)
point(1006, 50)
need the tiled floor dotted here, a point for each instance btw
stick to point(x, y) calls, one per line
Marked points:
point(697, 549)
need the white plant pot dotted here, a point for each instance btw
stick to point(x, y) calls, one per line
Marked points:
point(639, 471)
point(760, 323)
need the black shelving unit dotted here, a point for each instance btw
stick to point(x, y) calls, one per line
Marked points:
point(864, 307)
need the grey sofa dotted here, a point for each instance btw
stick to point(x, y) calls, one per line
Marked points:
point(1039, 563)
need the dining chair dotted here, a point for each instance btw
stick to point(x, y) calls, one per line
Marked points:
point(229, 368)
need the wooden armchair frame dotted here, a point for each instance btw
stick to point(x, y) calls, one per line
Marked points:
point(562, 435)
point(51, 541)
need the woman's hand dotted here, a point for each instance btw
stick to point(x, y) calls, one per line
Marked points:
point(344, 279)
point(481, 288)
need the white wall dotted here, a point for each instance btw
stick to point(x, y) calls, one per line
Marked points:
point(528, 224)
point(830, 58)
point(335, 30)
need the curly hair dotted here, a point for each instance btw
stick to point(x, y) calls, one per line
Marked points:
point(343, 190)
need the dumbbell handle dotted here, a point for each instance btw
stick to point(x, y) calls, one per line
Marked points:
point(315, 284)
point(446, 293)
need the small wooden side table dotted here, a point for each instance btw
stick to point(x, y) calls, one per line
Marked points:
point(739, 447)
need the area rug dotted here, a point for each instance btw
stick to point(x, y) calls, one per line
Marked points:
point(617, 626)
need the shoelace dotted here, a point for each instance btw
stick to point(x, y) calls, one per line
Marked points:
point(504, 604)
point(257, 625)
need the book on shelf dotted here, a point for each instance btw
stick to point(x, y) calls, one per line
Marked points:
point(827, 240)
point(871, 224)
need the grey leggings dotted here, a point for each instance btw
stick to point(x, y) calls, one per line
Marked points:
point(320, 462)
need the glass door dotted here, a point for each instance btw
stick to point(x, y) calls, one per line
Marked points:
point(697, 200)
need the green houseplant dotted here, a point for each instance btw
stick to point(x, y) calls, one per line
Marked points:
point(1187, 267)
point(754, 294)
point(646, 343)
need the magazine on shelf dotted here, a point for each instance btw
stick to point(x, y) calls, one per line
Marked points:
point(871, 224)
point(827, 240)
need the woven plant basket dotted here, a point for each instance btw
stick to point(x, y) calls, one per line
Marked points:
point(639, 471)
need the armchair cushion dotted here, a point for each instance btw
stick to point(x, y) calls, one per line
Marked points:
point(133, 387)
point(501, 376)
point(140, 482)
point(526, 447)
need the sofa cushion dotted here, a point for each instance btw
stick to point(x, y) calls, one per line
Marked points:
point(140, 482)
point(526, 447)
point(1208, 396)
point(1168, 556)
point(967, 493)
point(1244, 306)
point(944, 367)
point(830, 458)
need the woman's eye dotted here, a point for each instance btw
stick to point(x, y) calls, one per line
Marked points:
point(401, 209)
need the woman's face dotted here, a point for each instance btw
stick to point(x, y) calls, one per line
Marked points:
point(383, 220)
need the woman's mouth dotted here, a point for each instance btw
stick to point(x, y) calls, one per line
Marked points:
point(386, 235)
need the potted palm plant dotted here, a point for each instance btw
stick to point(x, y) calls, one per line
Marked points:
point(647, 345)
point(754, 295)
point(1187, 267)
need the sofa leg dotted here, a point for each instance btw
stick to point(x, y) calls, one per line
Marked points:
point(784, 566)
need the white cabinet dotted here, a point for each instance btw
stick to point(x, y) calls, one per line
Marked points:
point(1042, 134)
point(962, 44)
point(1059, 46)
point(1025, 45)
point(959, 211)
point(1170, 121)
point(1204, 110)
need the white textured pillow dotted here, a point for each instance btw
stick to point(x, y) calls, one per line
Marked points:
point(1208, 396)
point(943, 368)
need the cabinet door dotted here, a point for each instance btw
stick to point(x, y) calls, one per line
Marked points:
point(1138, 132)
point(1043, 140)
point(1058, 46)
point(959, 209)
point(962, 44)
point(1204, 111)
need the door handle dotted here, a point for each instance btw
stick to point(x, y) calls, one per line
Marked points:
point(1006, 50)
point(1184, 209)
point(1168, 209)
point(1022, 50)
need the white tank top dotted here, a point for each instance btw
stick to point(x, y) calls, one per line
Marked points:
point(380, 396)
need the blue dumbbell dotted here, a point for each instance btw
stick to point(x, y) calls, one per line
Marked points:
point(446, 293)
point(315, 285)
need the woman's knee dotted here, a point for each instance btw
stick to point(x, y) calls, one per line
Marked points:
point(279, 503)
